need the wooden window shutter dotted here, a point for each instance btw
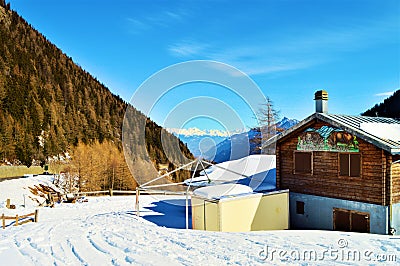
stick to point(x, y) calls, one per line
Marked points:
point(344, 164)
point(302, 162)
point(355, 165)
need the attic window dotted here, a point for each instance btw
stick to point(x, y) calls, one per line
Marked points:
point(350, 164)
point(302, 162)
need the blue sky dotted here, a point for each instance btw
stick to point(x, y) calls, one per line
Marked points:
point(289, 48)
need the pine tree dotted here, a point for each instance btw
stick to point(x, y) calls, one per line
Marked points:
point(44, 95)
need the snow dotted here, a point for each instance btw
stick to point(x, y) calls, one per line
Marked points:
point(106, 231)
point(382, 130)
point(17, 189)
point(257, 171)
point(218, 191)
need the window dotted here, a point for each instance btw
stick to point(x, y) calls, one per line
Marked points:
point(303, 163)
point(350, 164)
point(299, 207)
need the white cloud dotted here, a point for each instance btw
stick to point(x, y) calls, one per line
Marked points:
point(162, 19)
point(187, 49)
point(137, 26)
point(252, 60)
point(289, 52)
point(385, 94)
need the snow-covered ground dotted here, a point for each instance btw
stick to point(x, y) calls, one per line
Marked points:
point(106, 231)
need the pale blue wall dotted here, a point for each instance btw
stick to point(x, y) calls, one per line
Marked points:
point(318, 213)
point(395, 218)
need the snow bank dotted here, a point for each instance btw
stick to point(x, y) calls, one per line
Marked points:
point(218, 191)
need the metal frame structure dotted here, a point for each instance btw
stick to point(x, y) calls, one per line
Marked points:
point(150, 188)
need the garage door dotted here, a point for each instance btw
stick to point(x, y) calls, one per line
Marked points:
point(350, 221)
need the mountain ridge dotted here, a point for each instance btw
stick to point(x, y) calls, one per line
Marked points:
point(221, 149)
point(49, 104)
point(390, 107)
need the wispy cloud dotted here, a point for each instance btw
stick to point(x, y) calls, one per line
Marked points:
point(162, 19)
point(136, 26)
point(249, 59)
point(385, 94)
point(289, 52)
point(187, 49)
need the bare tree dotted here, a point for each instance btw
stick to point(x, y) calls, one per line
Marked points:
point(267, 118)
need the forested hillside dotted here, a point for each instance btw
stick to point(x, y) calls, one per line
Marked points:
point(49, 105)
point(389, 108)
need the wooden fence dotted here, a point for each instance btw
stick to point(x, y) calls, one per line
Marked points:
point(121, 192)
point(53, 198)
point(20, 219)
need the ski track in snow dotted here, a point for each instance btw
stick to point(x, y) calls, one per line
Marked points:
point(120, 238)
point(106, 231)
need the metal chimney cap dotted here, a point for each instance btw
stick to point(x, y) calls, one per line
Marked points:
point(321, 95)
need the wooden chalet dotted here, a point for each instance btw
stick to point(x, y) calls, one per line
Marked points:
point(343, 171)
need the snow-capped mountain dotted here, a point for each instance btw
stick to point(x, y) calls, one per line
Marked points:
point(235, 147)
point(198, 143)
point(198, 140)
point(218, 146)
point(241, 145)
point(286, 123)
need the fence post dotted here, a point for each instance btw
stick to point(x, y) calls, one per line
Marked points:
point(137, 201)
point(111, 192)
point(36, 215)
point(16, 220)
point(3, 221)
point(8, 203)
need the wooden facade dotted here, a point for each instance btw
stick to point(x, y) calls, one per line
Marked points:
point(394, 172)
point(378, 181)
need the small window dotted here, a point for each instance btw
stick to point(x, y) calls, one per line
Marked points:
point(299, 207)
point(350, 164)
point(302, 162)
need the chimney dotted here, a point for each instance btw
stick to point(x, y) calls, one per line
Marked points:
point(321, 101)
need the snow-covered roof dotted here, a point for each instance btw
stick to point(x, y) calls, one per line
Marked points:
point(380, 131)
point(257, 171)
point(219, 191)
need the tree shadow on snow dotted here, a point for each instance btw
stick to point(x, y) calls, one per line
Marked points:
point(171, 213)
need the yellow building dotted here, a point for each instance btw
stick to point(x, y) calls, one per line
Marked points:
point(236, 208)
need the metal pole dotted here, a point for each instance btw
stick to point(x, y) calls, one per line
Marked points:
point(167, 174)
point(205, 172)
point(187, 196)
